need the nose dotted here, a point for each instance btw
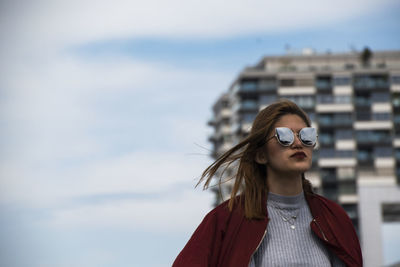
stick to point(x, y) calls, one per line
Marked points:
point(296, 141)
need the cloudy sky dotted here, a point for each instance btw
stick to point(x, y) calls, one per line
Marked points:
point(104, 108)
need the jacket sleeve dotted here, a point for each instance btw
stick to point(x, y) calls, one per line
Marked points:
point(203, 247)
point(345, 237)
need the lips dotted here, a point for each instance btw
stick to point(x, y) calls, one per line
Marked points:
point(299, 154)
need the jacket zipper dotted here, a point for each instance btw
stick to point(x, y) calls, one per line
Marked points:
point(323, 235)
point(265, 232)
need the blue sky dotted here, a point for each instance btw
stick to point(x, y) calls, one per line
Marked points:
point(104, 111)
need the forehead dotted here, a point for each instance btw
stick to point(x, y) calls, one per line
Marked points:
point(291, 121)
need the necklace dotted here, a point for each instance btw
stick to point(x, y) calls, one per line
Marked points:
point(289, 219)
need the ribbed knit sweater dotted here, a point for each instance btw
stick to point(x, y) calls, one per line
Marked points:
point(289, 240)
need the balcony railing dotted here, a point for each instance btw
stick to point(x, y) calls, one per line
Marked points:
point(371, 84)
point(373, 138)
point(323, 85)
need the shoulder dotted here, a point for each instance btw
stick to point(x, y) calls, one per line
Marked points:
point(204, 246)
point(222, 213)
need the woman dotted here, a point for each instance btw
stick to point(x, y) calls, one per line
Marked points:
point(273, 218)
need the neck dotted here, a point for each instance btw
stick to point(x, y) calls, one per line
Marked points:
point(285, 184)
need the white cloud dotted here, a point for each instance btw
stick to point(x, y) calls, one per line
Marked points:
point(60, 22)
point(76, 127)
point(179, 213)
point(57, 108)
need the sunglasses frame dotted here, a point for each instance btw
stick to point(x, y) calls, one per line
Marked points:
point(295, 134)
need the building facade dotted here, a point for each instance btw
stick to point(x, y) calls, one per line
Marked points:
point(352, 99)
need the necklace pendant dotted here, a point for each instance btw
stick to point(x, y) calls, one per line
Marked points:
point(293, 227)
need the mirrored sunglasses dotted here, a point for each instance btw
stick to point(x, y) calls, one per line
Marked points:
point(285, 136)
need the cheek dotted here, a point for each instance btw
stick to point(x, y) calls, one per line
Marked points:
point(275, 151)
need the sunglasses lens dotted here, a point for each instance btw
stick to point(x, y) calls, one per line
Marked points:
point(285, 136)
point(308, 136)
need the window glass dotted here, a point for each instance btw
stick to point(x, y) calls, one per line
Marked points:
point(380, 151)
point(344, 134)
point(287, 82)
point(395, 79)
point(342, 81)
point(267, 99)
point(380, 97)
point(249, 85)
point(381, 116)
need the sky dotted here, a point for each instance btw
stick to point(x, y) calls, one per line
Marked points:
point(104, 108)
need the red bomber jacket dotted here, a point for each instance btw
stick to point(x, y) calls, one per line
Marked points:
point(227, 238)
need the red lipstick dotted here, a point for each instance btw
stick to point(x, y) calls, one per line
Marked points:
point(300, 155)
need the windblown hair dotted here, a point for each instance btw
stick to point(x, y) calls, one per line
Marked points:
point(250, 180)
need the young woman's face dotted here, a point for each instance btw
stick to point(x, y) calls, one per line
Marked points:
point(294, 159)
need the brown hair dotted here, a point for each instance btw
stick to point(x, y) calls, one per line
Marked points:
point(251, 177)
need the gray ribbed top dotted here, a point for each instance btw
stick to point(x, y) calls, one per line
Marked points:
point(289, 240)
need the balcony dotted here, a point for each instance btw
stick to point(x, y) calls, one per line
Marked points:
point(333, 123)
point(362, 102)
point(323, 85)
point(247, 88)
point(267, 86)
point(373, 125)
point(342, 81)
point(325, 140)
point(337, 162)
point(248, 105)
point(373, 138)
point(370, 82)
point(325, 108)
point(365, 159)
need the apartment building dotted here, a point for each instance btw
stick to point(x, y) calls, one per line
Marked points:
point(353, 99)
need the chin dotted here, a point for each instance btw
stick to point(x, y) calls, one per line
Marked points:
point(301, 168)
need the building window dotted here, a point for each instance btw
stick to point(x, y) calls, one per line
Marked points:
point(325, 119)
point(397, 154)
point(287, 83)
point(349, 66)
point(267, 99)
point(396, 100)
point(364, 156)
point(371, 137)
point(371, 81)
point(380, 97)
point(332, 153)
point(341, 81)
point(303, 101)
point(325, 139)
point(363, 116)
point(362, 100)
point(395, 79)
point(382, 151)
point(343, 134)
point(248, 85)
point(225, 104)
point(381, 116)
point(396, 119)
point(323, 82)
point(343, 99)
point(249, 104)
point(248, 117)
point(322, 99)
point(268, 84)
